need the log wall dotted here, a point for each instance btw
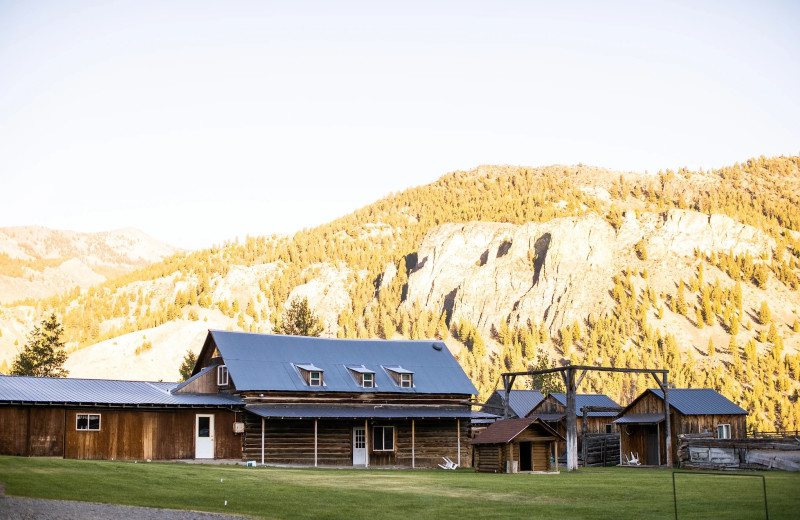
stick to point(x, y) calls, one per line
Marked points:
point(291, 441)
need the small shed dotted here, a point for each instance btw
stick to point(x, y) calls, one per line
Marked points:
point(517, 445)
point(692, 410)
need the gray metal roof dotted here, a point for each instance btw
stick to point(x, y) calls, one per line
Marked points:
point(265, 362)
point(582, 400)
point(50, 390)
point(272, 411)
point(640, 418)
point(697, 401)
point(522, 401)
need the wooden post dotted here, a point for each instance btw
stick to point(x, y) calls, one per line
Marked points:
point(458, 425)
point(666, 421)
point(572, 422)
point(366, 444)
point(413, 455)
point(508, 382)
point(315, 443)
point(262, 441)
point(584, 429)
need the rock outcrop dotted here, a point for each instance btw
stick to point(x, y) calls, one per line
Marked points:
point(556, 272)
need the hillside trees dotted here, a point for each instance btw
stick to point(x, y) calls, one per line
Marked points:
point(187, 366)
point(299, 320)
point(43, 355)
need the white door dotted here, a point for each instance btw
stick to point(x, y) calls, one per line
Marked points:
point(359, 446)
point(204, 437)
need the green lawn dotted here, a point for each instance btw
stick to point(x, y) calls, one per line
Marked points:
point(346, 493)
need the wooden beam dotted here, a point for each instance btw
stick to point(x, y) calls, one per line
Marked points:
point(366, 444)
point(413, 454)
point(458, 425)
point(262, 441)
point(572, 425)
point(666, 422)
point(315, 443)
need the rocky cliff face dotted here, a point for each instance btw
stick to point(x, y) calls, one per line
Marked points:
point(559, 271)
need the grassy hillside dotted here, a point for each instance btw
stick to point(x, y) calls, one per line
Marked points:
point(753, 361)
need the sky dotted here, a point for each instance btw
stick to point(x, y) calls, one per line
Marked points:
point(200, 122)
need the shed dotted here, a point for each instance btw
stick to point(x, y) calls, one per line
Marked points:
point(692, 410)
point(513, 445)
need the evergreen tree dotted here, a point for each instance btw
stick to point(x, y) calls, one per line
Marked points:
point(187, 366)
point(43, 354)
point(299, 320)
point(764, 313)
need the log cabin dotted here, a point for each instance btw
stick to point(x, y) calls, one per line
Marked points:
point(692, 410)
point(553, 410)
point(341, 402)
point(258, 397)
point(517, 445)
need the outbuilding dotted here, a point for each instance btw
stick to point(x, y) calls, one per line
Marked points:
point(692, 410)
point(517, 445)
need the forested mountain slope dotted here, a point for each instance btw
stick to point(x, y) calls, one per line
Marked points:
point(692, 271)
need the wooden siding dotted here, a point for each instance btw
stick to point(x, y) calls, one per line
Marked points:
point(633, 437)
point(488, 458)
point(291, 441)
point(205, 384)
point(32, 432)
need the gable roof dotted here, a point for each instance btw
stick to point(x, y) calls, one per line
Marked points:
point(694, 401)
point(63, 391)
point(267, 362)
point(521, 402)
point(582, 400)
point(505, 431)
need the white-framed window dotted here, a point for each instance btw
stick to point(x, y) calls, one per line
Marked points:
point(368, 380)
point(383, 438)
point(723, 431)
point(406, 380)
point(315, 378)
point(89, 422)
point(222, 375)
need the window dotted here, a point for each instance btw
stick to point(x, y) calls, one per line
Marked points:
point(383, 438)
point(609, 428)
point(402, 377)
point(87, 422)
point(222, 375)
point(405, 381)
point(368, 380)
point(314, 378)
point(723, 431)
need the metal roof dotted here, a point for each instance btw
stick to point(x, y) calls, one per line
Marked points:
point(272, 411)
point(265, 362)
point(361, 369)
point(52, 390)
point(640, 418)
point(582, 400)
point(502, 432)
point(548, 417)
point(522, 401)
point(695, 401)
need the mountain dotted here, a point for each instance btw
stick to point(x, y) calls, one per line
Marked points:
point(37, 262)
point(694, 271)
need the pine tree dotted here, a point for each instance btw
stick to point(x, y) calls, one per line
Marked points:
point(764, 314)
point(43, 355)
point(711, 349)
point(187, 366)
point(299, 320)
point(680, 305)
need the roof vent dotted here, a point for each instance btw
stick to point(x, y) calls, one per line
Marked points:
point(437, 347)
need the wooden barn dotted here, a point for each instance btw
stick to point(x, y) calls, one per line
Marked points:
point(553, 410)
point(692, 410)
point(122, 420)
point(318, 401)
point(517, 445)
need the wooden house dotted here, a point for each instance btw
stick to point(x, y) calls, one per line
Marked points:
point(692, 410)
point(266, 398)
point(318, 401)
point(122, 420)
point(516, 445)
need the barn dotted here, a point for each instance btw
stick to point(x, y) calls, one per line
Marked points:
point(115, 420)
point(517, 445)
point(692, 410)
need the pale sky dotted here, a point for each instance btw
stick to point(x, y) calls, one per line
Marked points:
point(198, 122)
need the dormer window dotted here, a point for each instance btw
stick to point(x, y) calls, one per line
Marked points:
point(402, 377)
point(365, 378)
point(311, 374)
point(222, 375)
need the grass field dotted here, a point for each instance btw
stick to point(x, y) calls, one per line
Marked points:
point(349, 493)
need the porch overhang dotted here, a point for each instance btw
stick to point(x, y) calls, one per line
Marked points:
point(270, 411)
point(641, 418)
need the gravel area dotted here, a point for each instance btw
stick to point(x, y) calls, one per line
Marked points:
point(18, 508)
